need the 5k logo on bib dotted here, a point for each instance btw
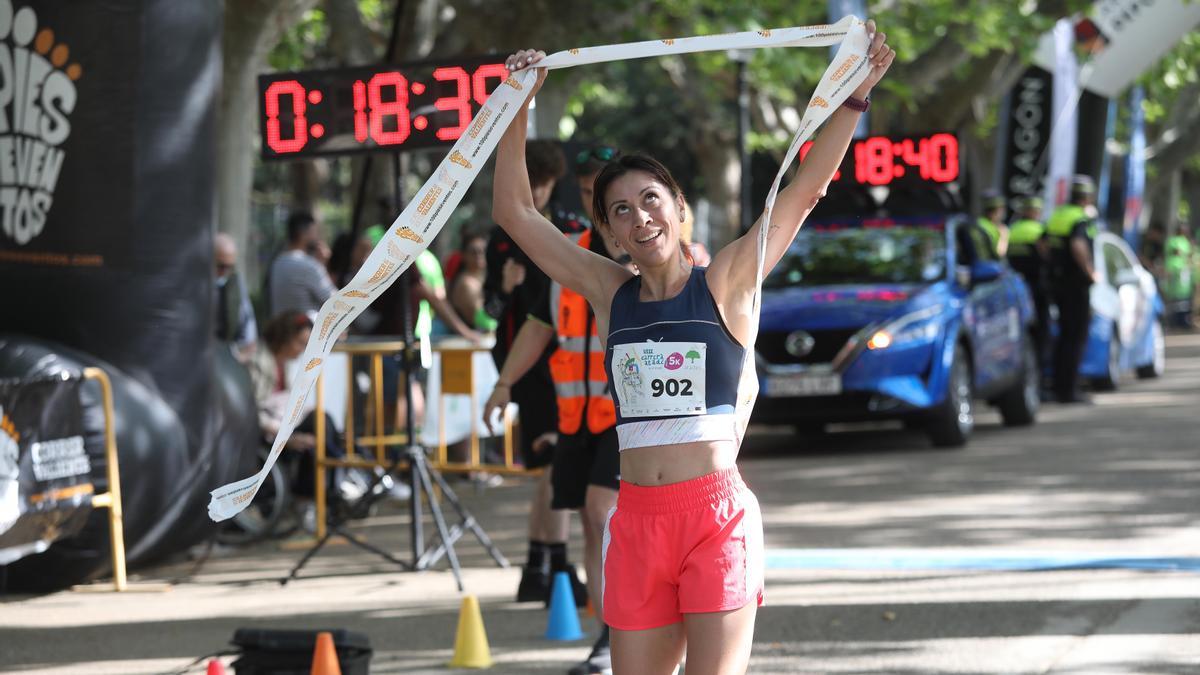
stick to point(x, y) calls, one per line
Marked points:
point(37, 96)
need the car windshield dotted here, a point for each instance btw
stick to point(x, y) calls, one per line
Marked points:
point(862, 253)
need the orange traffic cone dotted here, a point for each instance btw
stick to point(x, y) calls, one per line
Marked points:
point(470, 643)
point(325, 658)
point(215, 668)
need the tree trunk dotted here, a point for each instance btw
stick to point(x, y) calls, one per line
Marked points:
point(350, 39)
point(252, 28)
point(1178, 142)
point(1191, 194)
point(722, 171)
point(419, 28)
point(305, 178)
point(714, 146)
point(1171, 202)
point(551, 105)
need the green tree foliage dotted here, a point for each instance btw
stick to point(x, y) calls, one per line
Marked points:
point(1172, 107)
point(956, 59)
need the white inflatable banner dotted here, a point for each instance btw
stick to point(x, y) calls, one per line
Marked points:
point(428, 211)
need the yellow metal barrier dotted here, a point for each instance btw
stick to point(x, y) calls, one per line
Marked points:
point(452, 382)
point(111, 500)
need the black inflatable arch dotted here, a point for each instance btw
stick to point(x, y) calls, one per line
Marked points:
point(107, 259)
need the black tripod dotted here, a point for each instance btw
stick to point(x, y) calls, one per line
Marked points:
point(421, 479)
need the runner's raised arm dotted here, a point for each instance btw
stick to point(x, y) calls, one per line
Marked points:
point(587, 273)
point(729, 273)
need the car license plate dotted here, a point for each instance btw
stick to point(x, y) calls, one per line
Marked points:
point(804, 384)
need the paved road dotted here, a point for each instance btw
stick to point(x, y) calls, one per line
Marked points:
point(886, 557)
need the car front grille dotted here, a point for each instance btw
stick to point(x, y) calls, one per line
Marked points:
point(827, 344)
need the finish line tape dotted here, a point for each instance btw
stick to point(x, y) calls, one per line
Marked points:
point(425, 215)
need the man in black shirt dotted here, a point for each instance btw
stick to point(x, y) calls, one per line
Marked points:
point(512, 289)
point(1072, 231)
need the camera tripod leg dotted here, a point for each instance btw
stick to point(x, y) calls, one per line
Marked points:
point(438, 519)
point(468, 523)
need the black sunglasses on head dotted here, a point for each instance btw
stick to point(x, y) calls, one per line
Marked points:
point(602, 153)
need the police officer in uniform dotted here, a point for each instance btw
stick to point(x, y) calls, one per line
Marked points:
point(992, 223)
point(1029, 254)
point(1071, 231)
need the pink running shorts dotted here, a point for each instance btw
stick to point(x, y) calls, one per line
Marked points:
point(689, 547)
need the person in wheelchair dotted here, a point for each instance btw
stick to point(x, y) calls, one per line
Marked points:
point(283, 340)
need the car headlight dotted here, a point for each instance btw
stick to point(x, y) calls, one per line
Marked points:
point(919, 326)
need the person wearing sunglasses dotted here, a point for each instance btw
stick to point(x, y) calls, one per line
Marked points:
point(585, 159)
point(683, 558)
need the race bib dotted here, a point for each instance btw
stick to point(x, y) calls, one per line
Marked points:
point(657, 379)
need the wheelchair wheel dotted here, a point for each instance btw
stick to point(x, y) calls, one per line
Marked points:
point(267, 514)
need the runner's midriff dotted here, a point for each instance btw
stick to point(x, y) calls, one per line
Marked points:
point(666, 464)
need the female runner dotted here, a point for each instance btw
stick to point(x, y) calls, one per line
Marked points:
point(683, 550)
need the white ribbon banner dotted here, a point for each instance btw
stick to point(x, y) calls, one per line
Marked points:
point(425, 215)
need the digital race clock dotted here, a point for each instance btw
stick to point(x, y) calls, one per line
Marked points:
point(884, 160)
point(397, 107)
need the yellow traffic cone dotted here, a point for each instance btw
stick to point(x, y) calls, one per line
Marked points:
point(325, 658)
point(470, 644)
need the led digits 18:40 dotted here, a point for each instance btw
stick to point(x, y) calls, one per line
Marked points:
point(882, 160)
point(879, 160)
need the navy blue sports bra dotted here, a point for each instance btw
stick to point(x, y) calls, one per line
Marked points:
point(675, 372)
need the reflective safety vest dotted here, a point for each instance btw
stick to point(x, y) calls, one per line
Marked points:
point(992, 231)
point(577, 367)
point(1058, 229)
point(1062, 221)
point(1023, 236)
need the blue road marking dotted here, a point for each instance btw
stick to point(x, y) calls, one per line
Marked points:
point(961, 559)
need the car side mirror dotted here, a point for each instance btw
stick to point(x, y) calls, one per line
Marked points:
point(983, 271)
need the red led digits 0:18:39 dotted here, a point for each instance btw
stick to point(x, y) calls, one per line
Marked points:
point(361, 109)
point(883, 160)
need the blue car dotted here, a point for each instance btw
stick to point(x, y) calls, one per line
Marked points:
point(907, 318)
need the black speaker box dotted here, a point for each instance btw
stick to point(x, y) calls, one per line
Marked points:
point(268, 651)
